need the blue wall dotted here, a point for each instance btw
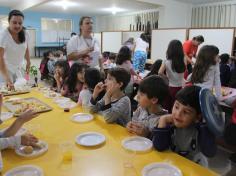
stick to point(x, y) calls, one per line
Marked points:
point(33, 20)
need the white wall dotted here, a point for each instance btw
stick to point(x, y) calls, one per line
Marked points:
point(173, 14)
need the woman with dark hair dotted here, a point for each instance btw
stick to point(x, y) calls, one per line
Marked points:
point(84, 44)
point(174, 67)
point(13, 49)
point(206, 71)
point(140, 53)
point(190, 50)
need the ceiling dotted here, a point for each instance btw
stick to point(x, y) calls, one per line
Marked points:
point(91, 7)
point(201, 1)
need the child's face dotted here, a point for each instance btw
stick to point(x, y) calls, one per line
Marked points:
point(183, 116)
point(59, 70)
point(144, 101)
point(80, 75)
point(111, 83)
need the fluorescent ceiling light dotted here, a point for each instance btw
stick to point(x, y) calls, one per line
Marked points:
point(114, 10)
point(65, 4)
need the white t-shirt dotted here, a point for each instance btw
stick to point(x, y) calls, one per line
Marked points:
point(141, 45)
point(85, 97)
point(79, 43)
point(175, 79)
point(14, 53)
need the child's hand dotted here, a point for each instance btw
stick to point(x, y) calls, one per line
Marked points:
point(165, 120)
point(98, 89)
point(27, 116)
point(137, 129)
point(56, 76)
point(28, 140)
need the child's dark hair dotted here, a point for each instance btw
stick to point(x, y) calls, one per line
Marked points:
point(199, 38)
point(123, 55)
point(112, 56)
point(121, 76)
point(205, 59)
point(92, 76)
point(189, 96)
point(65, 66)
point(154, 87)
point(224, 58)
point(72, 79)
point(144, 37)
point(155, 68)
point(175, 53)
point(21, 34)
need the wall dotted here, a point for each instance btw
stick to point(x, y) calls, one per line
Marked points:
point(33, 20)
point(173, 14)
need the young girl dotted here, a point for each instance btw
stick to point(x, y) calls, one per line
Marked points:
point(74, 84)
point(206, 72)
point(140, 53)
point(123, 60)
point(62, 69)
point(225, 69)
point(174, 67)
point(92, 77)
point(115, 105)
point(43, 65)
point(155, 68)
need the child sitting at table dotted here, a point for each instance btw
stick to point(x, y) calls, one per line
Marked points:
point(75, 81)
point(92, 77)
point(152, 91)
point(183, 131)
point(8, 137)
point(115, 105)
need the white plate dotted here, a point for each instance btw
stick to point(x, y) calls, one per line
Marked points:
point(68, 104)
point(20, 132)
point(61, 100)
point(82, 117)
point(36, 151)
point(161, 169)
point(137, 144)
point(90, 139)
point(25, 170)
point(6, 115)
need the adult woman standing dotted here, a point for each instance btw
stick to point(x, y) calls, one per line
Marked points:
point(140, 53)
point(84, 46)
point(14, 48)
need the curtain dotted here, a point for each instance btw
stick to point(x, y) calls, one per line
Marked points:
point(222, 15)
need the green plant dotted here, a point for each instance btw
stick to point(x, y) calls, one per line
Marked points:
point(33, 70)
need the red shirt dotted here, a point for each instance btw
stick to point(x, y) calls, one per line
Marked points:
point(189, 49)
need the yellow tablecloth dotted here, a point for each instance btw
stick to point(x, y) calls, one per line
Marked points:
point(105, 160)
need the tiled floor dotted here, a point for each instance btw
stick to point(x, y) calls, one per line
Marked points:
point(220, 164)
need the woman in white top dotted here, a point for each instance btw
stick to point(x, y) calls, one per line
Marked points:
point(83, 45)
point(140, 53)
point(206, 71)
point(14, 48)
point(174, 67)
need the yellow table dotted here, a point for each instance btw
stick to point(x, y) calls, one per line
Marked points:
point(105, 160)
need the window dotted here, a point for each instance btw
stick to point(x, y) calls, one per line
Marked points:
point(53, 29)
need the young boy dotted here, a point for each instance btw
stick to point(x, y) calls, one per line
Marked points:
point(7, 138)
point(152, 91)
point(182, 131)
point(115, 105)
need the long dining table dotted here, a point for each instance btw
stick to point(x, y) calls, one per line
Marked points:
point(106, 159)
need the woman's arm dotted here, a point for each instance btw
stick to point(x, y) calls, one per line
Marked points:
point(27, 58)
point(3, 69)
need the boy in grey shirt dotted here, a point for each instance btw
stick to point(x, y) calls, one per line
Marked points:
point(152, 91)
point(115, 105)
